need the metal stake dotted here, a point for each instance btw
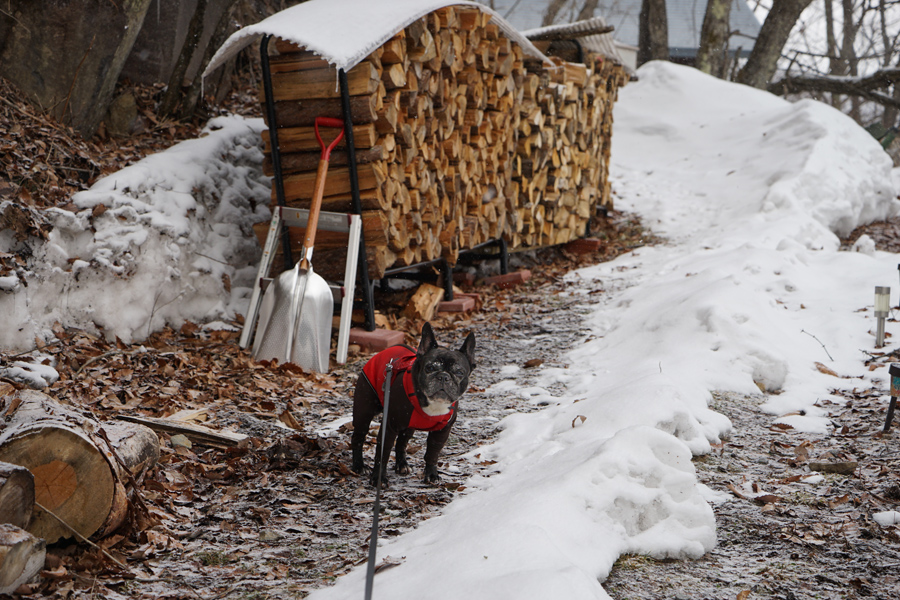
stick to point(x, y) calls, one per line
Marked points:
point(895, 391)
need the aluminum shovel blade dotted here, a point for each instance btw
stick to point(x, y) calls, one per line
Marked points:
point(295, 321)
point(311, 340)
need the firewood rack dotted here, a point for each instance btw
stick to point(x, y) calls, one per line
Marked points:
point(478, 253)
point(445, 271)
point(445, 274)
point(366, 287)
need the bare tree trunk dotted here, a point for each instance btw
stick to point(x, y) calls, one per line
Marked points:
point(772, 37)
point(553, 8)
point(834, 64)
point(653, 32)
point(173, 92)
point(711, 56)
point(848, 52)
point(192, 95)
point(587, 10)
point(891, 113)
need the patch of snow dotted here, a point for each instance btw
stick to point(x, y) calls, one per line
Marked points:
point(887, 518)
point(155, 244)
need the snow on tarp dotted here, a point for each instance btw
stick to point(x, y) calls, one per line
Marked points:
point(344, 32)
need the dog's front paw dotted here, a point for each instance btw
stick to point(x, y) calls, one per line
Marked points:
point(431, 475)
point(402, 466)
point(360, 468)
point(373, 478)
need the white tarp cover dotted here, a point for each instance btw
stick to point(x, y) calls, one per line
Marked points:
point(344, 32)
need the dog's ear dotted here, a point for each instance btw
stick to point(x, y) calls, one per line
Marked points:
point(427, 343)
point(468, 349)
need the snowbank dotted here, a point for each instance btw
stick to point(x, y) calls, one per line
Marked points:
point(166, 240)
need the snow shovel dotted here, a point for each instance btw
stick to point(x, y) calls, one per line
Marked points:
point(295, 314)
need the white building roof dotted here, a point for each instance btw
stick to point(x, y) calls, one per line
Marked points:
point(685, 19)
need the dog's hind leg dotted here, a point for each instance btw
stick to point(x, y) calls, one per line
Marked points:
point(365, 407)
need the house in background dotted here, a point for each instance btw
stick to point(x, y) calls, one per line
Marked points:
point(685, 18)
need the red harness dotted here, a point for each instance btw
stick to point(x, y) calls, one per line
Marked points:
point(403, 357)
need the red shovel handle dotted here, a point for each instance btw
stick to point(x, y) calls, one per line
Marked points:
point(329, 122)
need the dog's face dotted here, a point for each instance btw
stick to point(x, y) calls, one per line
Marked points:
point(441, 375)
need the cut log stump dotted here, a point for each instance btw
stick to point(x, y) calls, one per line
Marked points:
point(80, 465)
point(16, 495)
point(21, 557)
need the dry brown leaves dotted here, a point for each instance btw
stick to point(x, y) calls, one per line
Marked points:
point(42, 162)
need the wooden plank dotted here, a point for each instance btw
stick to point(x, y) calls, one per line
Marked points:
point(197, 434)
point(323, 83)
point(300, 139)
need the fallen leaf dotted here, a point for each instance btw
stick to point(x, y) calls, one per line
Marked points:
point(736, 492)
point(290, 420)
point(782, 426)
point(823, 369)
point(841, 468)
point(768, 499)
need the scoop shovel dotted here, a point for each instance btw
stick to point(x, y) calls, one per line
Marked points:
point(296, 310)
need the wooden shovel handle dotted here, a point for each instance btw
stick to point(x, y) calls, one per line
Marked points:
point(312, 222)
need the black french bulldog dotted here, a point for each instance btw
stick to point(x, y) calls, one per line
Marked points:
point(425, 388)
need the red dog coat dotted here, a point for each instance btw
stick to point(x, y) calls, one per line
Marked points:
point(403, 356)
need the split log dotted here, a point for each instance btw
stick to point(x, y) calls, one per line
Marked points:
point(303, 113)
point(80, 466)
point(22, 557)
point(423, 304)
point(16, 495)
point(297, 162)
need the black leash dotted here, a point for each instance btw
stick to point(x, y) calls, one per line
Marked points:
point(373, 539)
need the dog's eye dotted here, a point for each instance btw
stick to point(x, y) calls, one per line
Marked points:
point(432, 367)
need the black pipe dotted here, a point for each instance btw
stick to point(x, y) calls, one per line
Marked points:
point(273, 141)
point(356, 204)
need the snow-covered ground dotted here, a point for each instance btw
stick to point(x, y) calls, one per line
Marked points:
point(749, 293)
point(749, 190)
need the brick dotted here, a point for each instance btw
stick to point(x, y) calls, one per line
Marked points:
point(583, 246)
point(510, 279)
point(377, 340)
point(459, 304)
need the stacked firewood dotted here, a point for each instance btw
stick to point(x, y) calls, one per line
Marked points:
point(459, 139)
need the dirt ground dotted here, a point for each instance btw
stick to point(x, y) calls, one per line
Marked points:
point(786, 530)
